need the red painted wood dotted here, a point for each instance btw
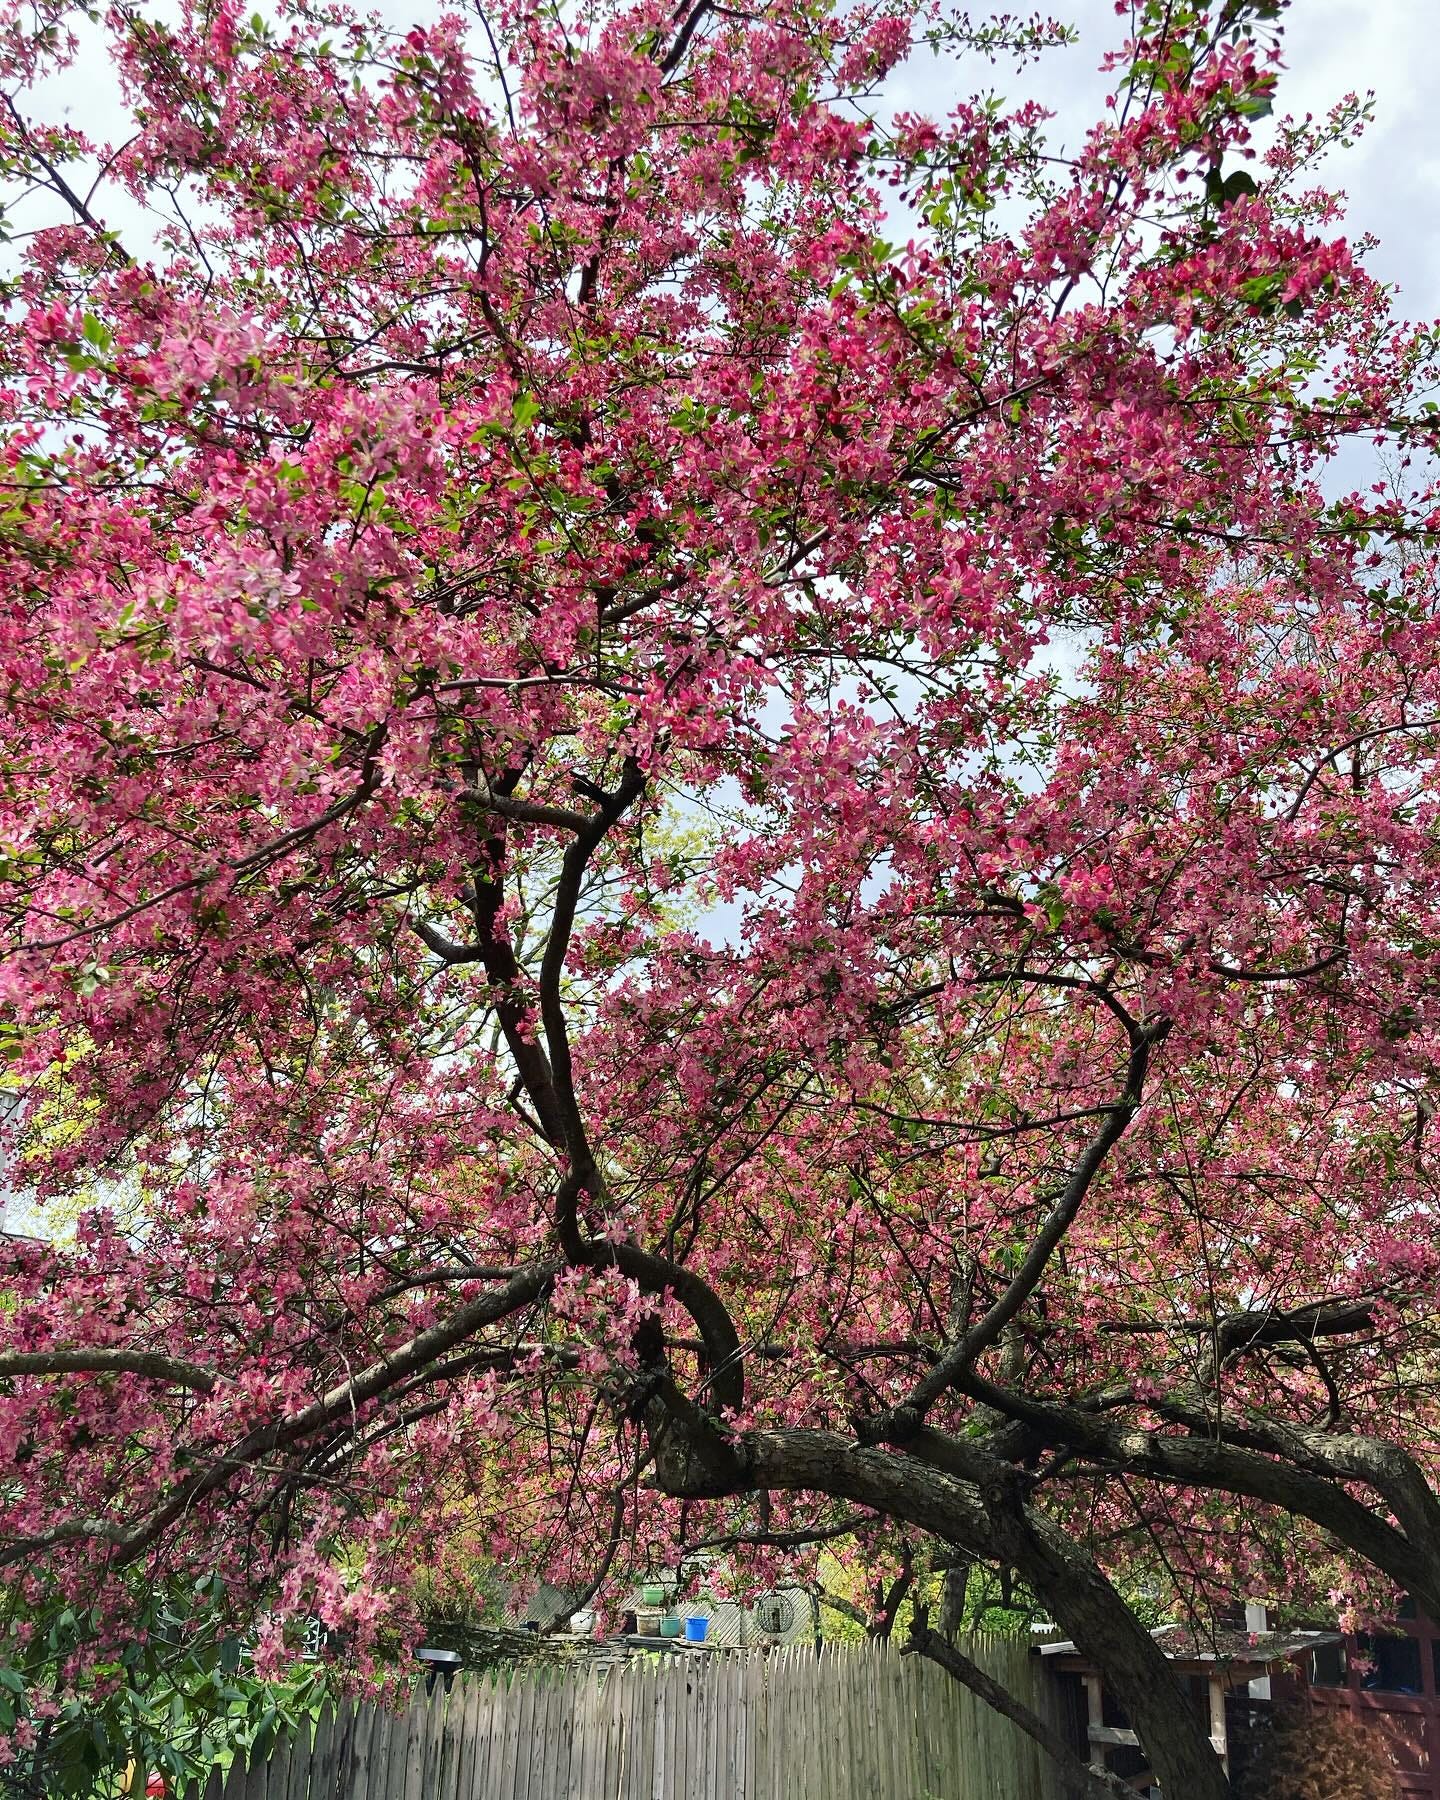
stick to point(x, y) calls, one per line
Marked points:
point(1406, 1726)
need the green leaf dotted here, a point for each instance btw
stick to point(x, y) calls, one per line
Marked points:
point(1262, 290)
point(1238, 184)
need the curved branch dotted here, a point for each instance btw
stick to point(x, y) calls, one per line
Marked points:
point(339, 1402)
point(1204, 1460)
point(656, 1275)
point(988, 1328)
point(557, 946)
point(991, 1518)
point(1342, 1456)
point(110, 1362)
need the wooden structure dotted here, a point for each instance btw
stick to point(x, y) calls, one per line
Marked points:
point(1388, 1680)
point(1212, 1666)
point(851, 1723)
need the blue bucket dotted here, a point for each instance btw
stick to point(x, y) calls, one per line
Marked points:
point(696, 1630)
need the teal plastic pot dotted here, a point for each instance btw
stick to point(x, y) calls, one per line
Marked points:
point(670, 1627)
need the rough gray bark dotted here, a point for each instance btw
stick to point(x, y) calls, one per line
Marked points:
point(986, 1515)
point(953, 1584)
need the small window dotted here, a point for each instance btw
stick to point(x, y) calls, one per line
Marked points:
point(1395, 1665)
point(1407, 1608)
point(1327, 1666)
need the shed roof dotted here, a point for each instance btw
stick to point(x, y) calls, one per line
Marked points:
point(1219, 1644)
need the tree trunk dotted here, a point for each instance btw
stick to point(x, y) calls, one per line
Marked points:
point(1000, 1525)
point(952, 1596)
point(1134, 1667)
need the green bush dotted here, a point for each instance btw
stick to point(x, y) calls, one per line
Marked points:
point(176, 1696)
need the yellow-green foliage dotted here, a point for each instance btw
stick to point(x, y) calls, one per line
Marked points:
point(55, 1116)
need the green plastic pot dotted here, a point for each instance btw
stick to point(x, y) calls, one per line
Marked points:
point(653, 1594)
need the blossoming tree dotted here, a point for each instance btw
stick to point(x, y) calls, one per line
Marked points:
point(689, 876)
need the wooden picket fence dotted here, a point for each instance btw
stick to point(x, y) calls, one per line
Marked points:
point(853, 1722)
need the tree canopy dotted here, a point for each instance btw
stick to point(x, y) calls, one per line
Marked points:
point(695, 876)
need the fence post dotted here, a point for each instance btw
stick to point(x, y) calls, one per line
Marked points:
point(850, 1723)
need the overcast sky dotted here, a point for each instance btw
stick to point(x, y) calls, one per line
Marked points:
point(1332, 47)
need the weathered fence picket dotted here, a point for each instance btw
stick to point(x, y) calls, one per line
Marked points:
point(853, 1722)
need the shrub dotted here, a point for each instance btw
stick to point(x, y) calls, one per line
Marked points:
point(1315, 1755)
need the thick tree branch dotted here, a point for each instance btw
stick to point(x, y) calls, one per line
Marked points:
point(1210, 1462)
point(557, 948)
point(110, 1362)
point(988, 1328)
point(439, 945)
point(989, 1518)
